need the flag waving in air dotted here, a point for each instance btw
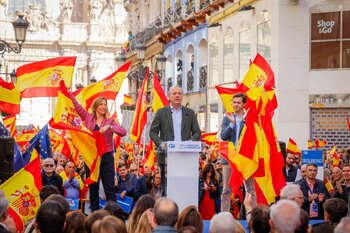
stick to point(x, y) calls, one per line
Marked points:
point(159, 98)
point(140, 117)
point(292, 147)
point(9, 98)
point(108, 87)
point(42, 78)
point(22, 191)
point(10, 124)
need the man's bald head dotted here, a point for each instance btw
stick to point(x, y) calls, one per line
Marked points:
point(166, 212)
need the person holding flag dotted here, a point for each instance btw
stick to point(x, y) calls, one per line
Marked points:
point(231, 128)
point(98, 121)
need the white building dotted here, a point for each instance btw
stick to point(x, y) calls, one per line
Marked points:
point(93, 30)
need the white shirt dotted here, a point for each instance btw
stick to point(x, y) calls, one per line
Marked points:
point(177, 120)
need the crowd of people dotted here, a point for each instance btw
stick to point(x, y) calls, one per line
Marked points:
point(304, 197)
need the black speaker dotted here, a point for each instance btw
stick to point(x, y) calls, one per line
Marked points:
point(7, 145)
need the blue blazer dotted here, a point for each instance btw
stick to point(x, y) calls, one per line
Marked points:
point(228, 133)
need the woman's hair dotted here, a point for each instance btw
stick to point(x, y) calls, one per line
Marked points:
point(75, 222)
point(109, 224)
point(114, 209)
point(206, 169)
point(145, 202)
point(143, 226)
point(190, 217)
point(97, 103)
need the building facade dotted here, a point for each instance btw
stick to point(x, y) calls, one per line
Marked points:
point(93, 30)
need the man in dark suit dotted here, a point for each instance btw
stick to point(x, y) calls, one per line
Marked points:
point(173, 123)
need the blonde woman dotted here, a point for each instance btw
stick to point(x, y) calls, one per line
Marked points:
point(98, 121)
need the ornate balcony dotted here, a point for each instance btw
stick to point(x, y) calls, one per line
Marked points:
point(190, 80)
point(203, 76)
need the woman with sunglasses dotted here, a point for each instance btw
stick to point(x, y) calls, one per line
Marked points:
point(98, 121)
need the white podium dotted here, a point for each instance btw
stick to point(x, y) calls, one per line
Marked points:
point(182, 174)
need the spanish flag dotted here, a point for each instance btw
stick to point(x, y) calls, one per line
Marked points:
point(336, 157)
point(328, 185)
point(9, 98)
point(140, 116)
point(22, 191)
point(310, 144)
point(108, 87)
point(127, 100)
point(320, 143)
point(90, 144)
point(150, 156)
point(24, 138)
point(10, 124)
point(292, 147)
point(226, 95)
point(348, 121)
point(209, 138)
point(41, 79)
point(159, 98)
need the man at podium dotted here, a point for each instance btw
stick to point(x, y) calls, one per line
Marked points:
point(173, 123)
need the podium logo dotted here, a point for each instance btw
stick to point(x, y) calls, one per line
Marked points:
point(171, 145)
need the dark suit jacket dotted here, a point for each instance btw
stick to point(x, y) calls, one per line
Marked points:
point(162, 129)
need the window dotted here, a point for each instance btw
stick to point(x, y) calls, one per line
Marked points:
point(330, 40)
point(244, 49)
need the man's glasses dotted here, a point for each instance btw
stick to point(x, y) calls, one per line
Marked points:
point(48, 165)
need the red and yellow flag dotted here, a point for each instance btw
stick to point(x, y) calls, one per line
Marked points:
point(9, 98)
point(24, 138)
point(159, 98)
point(310, 144)
point(150, 156)
point(10, 124)
point(127, 100)
point(348, 121)
point(41, 79)
point(328, 185)
point(209, 138)
point(292, 147)
point(22, 191)
point(140, 117)
point(90, 144)
point(226, 94)
point(336, 157)
point(320, 143)
point(108, 87)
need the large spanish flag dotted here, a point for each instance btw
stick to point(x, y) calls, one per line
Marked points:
point(22, 191)
point(42, 78)
point(90, 144)
point(159, 98)
point(10, 124)
point(292, 147)
point(140, 116)
point(108, 87)
point(9, 98)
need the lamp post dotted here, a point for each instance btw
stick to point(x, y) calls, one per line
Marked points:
point(141, 51)
point(13, 76)
point(161, 60)
point(20, 27)
point(93, 79)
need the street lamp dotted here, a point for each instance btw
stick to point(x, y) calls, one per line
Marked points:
point(20, 27)
point(13, 76)
point(93, 79)
point(141, 50)
point(120, 59)
point(161, 60)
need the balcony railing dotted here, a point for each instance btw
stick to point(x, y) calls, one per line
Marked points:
point(190, 80)
point(203, 76)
